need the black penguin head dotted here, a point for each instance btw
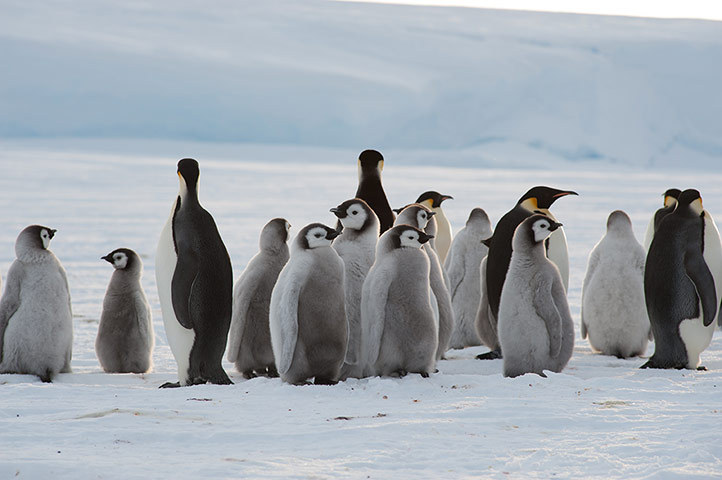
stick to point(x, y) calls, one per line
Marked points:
point(370, 162)
point(432, 199)
point(354, 214)
point(690, 201)
point(274, 234)
point(317, 235)
point(122, 258)
point(33, 237)
point(541, 198)
point(407, 236)
point(671, 196)
point(618, 221)
point(188, 172)
point(416, 215)
point(535, 229)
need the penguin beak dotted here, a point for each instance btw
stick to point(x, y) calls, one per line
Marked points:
point(564, 194)
point(554, 226)
point(397, 210)
point(108, 258)
point(338, 212)
point(445, 197)
point(423, 238)
point(52, 232)
point(486, 241)
point(431, 213)
point(334, 233)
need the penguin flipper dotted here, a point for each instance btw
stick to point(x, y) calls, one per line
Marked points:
point(454, 268)
point(185, 274)
point(284, 313)
point(584, 328)
point(700, 275)
point(374, 296)
point(546, 308)
point(10, 300)
point(243, 293)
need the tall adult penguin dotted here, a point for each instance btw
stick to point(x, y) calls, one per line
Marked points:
point(537, 200)
point(679, 287)
point(443, 236)
point(195, 285)
point(370, 189)
point(670, 202)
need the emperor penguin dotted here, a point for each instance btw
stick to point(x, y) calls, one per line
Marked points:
point(309, 330)
point(536, 331)
point(537, 200)
point(195, 285)
point(419, 216)
point(462, 269)
point(400, 331)
point(614, 315)
point(443, 237)
point(36, 319)
point(249, 340)
point(370, 189)
point(679, 288)
point(486, 323)
point(357, 248)
point(124, 343)
point(670, 202)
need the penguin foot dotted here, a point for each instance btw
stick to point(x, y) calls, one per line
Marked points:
point(170, 385)
point(249, 374)
point(424, 374)
point(272, 372)
point(47, 378)
point(400, 373)
point(702, 368)
point(492, 355)
point(324, 381)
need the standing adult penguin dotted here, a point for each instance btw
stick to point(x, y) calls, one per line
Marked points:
point(370, 189)
point(195, 285)
point(679, 287)
point(536, 331)
point(537, 200)
point(614, 315)
point(249, 341)
point(462, 268)
point(36, 320)
point(125, 335)
point(670, 202)
point(357, 248)
point(400, 332)
point(419, 216)
point(309, 330)
point(444, 236)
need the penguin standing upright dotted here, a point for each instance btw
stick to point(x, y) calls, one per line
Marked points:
point(370, 189)
point(537, 200)
point(443, 236)
point(195, 285)
point(36, 320)
point(670, 202)
point(679, 287)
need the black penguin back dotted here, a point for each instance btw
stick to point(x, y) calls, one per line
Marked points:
point(371, 190)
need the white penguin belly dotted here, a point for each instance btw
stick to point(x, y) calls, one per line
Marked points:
point(696, 338)
point(559, 254)
point(713, 256)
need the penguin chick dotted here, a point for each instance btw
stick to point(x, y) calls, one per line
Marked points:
point(400, 332)
point(370, 188)
point(36, 319)
point(125, 335)
point(444, 236)
point(670, 203)
point(536, 332)
point(309, 331)
point(614, 315)
point(249, 340)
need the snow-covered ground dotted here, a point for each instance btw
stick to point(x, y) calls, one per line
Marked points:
point(601, 418)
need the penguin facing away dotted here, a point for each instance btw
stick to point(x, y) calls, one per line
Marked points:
point(357, 248)
point(309, 330)
point(36, 319)
point(195, 285)
point(614, 315)
point(536, 331)
point(486, 323)
point(124, 343)
point(249, 340)
point(679, 287)
point(400, 332)
point(670, 202)
point(370, 188)
point(443, 236)
point(462, 269)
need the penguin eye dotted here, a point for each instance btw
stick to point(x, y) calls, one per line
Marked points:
point(318, 235)
point(354, 212)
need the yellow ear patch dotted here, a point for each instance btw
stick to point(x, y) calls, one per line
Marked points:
point(697, 206)
point(428, 203)
point(381, 166)
point(530, 204)
point(669, 201)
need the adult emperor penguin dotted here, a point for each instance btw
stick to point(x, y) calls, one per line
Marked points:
point(443, 236)
point(670, 202)
point(195, 285)
point(536, 331)
point(370, 189)
point(357, 248)
point(614, 315)
point(537, 200)
point(36, 320)
point(400, 332)
point(462, 269)
point(679, 287)
point(125, 335)
point(309, 330)
point(249, 341)
point(418, 216)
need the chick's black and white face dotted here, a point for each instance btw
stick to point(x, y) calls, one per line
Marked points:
point(120, 260)
point(45, 237)
point(422, 218)
point(355, 217)
point(410, 238)
point(542, 229)
point(316, 237)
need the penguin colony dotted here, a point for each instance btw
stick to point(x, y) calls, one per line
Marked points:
point(380, 294)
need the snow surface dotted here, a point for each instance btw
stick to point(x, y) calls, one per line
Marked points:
point(600, 418)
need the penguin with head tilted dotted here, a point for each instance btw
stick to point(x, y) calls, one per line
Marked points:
point(443, 236)
point(357, 248)
point(679, 287)
point(249, 340)
point(536, 331)
point(309, 330)
point(400, 331)
point(36, 320)
point(537, 200)
point(419, 216)
point(614, 315)
point(195, 285)
point(670, 202)
point(462, 269)
point(370, 188)
point(124, 343)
